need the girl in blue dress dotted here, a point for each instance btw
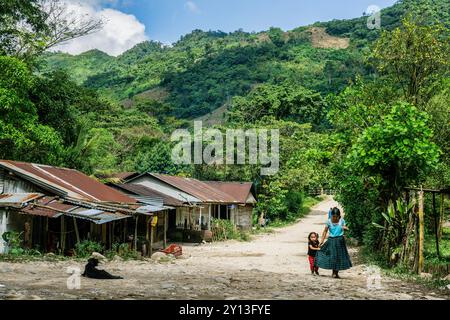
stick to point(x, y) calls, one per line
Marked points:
point(333, 255)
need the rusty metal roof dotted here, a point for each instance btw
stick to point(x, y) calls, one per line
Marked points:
point(54, 207)
point(240, 191)
point(69, 182)
point(45, 207)
point(141, 190)
point(17, 199)
point(197, 188)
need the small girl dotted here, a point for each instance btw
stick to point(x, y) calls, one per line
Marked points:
point(313, 247)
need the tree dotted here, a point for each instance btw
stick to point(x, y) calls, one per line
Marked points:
point(30, 27)
point(276, 35)
point(158, 160)
point(397, 149)
point(287, 101)
point(22, 137)
point(61, 103)
point(415, 56)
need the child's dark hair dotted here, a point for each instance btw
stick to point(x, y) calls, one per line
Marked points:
point(336, 212)
point(317, 235)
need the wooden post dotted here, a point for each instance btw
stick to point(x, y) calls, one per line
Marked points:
point(151, 238)
point(91, 231)
point(135, 233)
point(104, 235)
point(76, 229)
point(441, 217)
point(63, 235)
point(209, 217)
point(125, 228)
point(46, 234)
point(110, 235)
point(147, 234)
point(436, 225)
point(421, 231)
point(166, 217)
point(113, 231)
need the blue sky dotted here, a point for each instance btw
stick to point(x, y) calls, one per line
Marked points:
point(167, 20)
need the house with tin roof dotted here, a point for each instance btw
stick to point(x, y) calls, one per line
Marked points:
point(55, 208)
point(196, 203)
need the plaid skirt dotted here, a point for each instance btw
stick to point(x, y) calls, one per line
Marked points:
point(333, 255)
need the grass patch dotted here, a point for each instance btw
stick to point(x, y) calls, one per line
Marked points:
point(401, 272)
point(430, 251)
point(33, 257)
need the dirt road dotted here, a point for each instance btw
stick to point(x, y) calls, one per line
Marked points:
point(272, 266)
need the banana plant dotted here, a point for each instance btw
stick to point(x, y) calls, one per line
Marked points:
point(396, 218)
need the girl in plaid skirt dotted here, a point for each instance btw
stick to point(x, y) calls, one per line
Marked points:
point(333, 255)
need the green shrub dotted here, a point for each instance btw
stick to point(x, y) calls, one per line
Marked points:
point(294, 203)
point(14, 242)
point(122, 250)
point(226, 230)
point(85, 248)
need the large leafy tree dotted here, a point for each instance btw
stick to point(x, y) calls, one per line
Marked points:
point(62, 104)
point(397, 149)
point(415, 56)
point(22, 137)
point(29, 27)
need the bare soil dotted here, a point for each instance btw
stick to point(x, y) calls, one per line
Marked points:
point(272, 266)
point(321, 39)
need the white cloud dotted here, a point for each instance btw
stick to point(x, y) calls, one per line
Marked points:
point(192, 7)
point(119, 33)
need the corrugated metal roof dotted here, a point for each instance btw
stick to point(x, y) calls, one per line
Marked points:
point(150, 209)
point(197, 188)
point(240, 191)
point(17, 199)
point(97, 216)
point(46, 207)
point(54, 207)
point(141, 190)
point(68, 181)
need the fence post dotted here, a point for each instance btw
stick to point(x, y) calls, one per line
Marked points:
point(421, 231)
point(441, 217)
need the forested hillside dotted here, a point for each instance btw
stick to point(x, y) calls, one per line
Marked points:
point(204, 70)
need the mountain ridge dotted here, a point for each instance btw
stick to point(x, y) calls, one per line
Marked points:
point(205, 69)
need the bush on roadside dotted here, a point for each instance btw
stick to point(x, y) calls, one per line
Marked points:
point(225, 230)
point(85, 248)
point(15, 247)
point(122, 250)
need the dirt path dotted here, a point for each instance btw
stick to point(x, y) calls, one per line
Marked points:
point(272, 266)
